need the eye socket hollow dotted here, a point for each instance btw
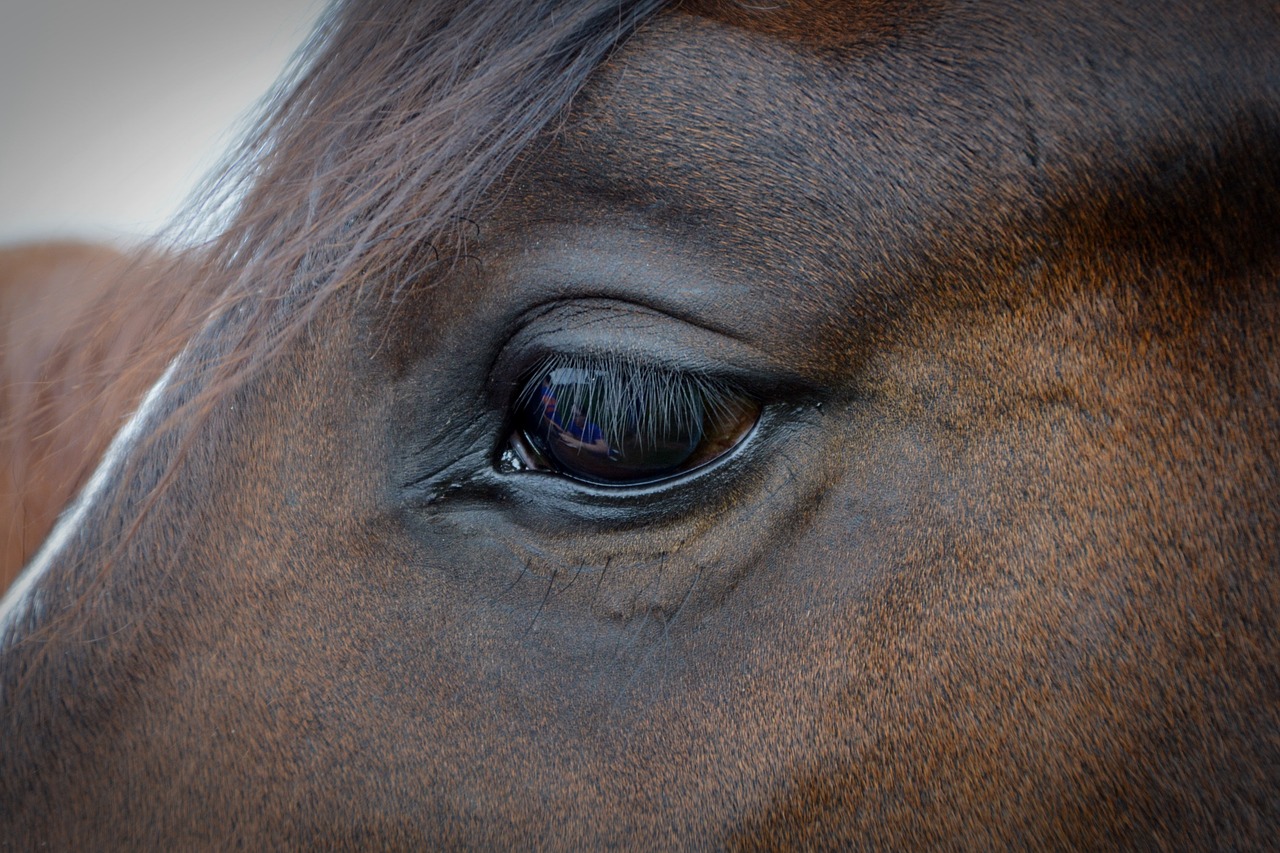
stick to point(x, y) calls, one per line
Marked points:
point(617, 423)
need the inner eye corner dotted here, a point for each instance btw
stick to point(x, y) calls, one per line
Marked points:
point(611, 422)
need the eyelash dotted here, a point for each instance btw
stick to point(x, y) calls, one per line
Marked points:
point(610, 421)
point(678, 397)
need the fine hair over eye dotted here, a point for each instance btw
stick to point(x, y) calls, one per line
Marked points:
point(612, 421)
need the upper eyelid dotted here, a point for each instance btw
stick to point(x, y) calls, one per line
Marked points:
point(626, 331)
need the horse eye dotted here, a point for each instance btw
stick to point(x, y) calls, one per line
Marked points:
point(625, 424)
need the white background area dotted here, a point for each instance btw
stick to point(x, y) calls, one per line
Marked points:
point(112, 110)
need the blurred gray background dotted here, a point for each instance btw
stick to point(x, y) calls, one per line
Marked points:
point(112, 110)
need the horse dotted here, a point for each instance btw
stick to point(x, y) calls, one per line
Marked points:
point(628, 423)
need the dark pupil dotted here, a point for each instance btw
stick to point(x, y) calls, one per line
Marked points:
point(597, 432)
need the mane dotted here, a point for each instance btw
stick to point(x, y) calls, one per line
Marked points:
point(393, 119)
point(365, 162)
point(376, 144)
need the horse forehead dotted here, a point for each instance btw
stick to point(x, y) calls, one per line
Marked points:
point(726, 123)
point(689, 93)
point(932, 120)
point(818, 23)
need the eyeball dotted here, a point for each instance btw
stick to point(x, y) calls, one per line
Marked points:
point(621, 424)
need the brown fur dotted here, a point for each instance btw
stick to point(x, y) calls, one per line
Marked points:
point(80, 342)
point(998, 567)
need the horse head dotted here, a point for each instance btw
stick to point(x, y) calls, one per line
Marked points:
point(749, 425)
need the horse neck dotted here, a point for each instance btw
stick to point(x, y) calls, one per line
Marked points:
point(84, 331)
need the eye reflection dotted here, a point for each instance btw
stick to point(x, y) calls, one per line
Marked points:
point(613, 422)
